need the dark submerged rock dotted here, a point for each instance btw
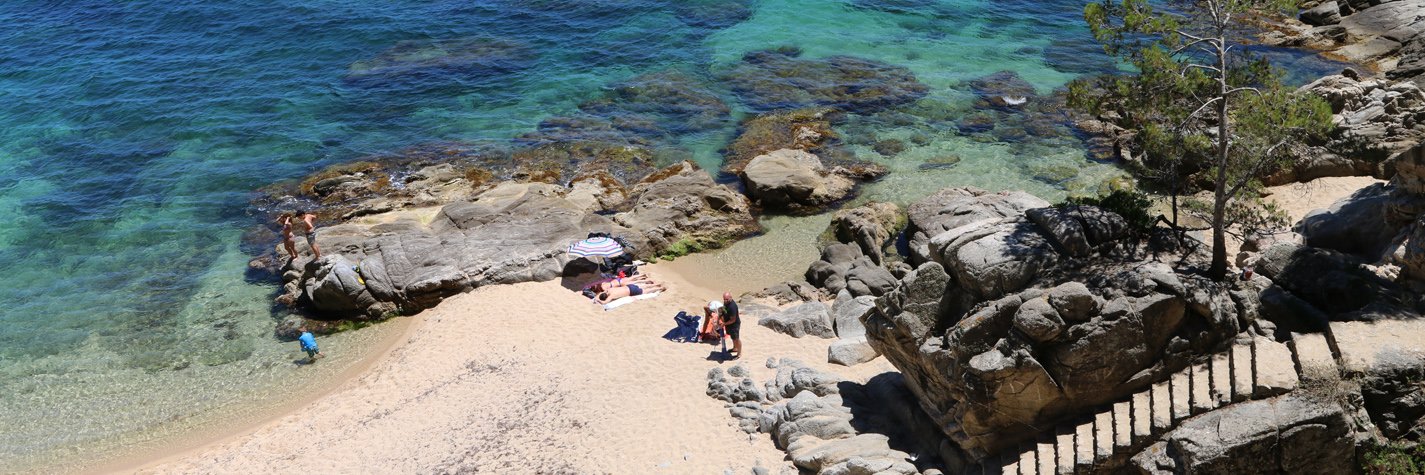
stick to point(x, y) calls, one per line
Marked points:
point(772, 80)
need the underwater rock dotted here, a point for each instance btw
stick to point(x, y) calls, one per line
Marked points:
point(713, 14)
point(415, 61)
point(771, 80)
point(940, 163)
point(673, 101)
point(889, 147)
point(1003, 90)
point(1078, 57)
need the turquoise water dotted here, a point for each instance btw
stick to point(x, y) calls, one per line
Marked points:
point(132, 136)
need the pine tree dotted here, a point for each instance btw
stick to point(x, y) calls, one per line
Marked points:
point(1204, 110)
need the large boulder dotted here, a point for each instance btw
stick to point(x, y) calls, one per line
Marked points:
point(683, 203)
point(850, 351)
point(335, 286)
point(1334, 284)
point(1356, 224)
point(790, 179)
point(1286, 434)
point(843, 267)
point(954, 207)
point(811, 318)
point(869, 226)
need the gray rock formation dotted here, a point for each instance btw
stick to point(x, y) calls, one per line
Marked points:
point(795, 180)
point(954, 207)
point(410, 259)
point(811, 318)
point(1008, 329)
point(851, 351)
point(823, 430)
point(1286, 434)
point(1382, 225)
point(843, 267)
point(870, 226)
point(1373, 33)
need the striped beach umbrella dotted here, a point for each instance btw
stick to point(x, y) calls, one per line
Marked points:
point(596, 247)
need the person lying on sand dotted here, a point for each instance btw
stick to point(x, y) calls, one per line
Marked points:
point(624, 282)
point(630, 290)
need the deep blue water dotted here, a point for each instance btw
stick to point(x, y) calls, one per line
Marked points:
point(132, 136)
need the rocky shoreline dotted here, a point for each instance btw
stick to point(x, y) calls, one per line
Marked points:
point(1010, 319)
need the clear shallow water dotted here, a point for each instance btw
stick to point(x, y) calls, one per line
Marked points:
point(133, 133)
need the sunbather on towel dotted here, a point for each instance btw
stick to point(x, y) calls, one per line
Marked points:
point(624, 282)
point(630, 290)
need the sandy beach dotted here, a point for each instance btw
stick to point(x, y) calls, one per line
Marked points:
point(527, 378)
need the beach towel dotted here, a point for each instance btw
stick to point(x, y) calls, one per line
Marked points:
point(686, 330)
point(627, 300)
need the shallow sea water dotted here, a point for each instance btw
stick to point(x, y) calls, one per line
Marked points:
point(132, 136)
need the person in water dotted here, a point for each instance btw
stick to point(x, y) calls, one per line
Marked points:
point(306, 225)
point(309, 345)
point(287, 242)
point(630, 290)
point(732, 324)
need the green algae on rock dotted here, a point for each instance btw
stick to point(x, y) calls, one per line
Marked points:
point(775, 79)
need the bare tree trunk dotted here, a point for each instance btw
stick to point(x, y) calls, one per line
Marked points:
point(1218, 271)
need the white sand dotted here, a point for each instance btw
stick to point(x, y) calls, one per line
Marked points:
point(527, 378)
point(1298, 199)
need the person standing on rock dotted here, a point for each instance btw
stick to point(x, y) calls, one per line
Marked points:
point(309, 345)
point(307, 226)
point(732, 322)
point(287, 241)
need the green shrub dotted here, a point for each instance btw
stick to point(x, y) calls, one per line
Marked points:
point(1134, 206)
point(1393, 459)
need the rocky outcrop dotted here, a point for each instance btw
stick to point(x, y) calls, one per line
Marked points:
point(1312, 285)
point(808, 130)
point(1373, 33)
point(826, 425)
point(870, 226)
point(843, 267)
point(1381, 225)
point(851, 347)
point(411, 259)
point(811, 318)
point(1016, 322)
point(954, 207)
point(1286, 434)
point(794, 179)
point(1375, 119)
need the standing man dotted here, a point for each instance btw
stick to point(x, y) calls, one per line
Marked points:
point(733, 323)
point(309, 345)
point(307, 225)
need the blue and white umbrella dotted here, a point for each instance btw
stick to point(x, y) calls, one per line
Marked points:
point(596, 247)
